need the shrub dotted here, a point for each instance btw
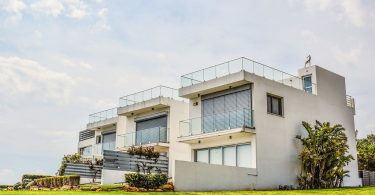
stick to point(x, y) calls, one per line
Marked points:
point(146, 181)
point(58, 181)
point(31, 177)
point(70, 158)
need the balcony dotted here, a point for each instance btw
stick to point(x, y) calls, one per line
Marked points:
point(102, 119)
point(236, 121)
point(157, 97)
point(157, 137)
point(245, 64)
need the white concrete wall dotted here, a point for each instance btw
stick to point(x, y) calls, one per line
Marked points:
point(113, 176)
point(194, 176)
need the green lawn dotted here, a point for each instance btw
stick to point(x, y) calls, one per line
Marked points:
point(349, 191)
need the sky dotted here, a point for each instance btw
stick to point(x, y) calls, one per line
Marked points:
point(61, 60)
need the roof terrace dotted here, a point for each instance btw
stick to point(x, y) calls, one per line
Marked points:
point(159, 91)
point(247, 65)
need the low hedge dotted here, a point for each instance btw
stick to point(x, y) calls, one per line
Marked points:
point(33, 177)
point(58, 181)
point(147, 181)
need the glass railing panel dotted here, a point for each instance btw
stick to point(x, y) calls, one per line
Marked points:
point(146, 136)
point(195, 126)
point(248, 65)
point(197, 77)
point(268, 72)
point(278, 76)
point(217, 122)
point(258, 69)
point(235, 65)
point(209, 73)
point(222, 69)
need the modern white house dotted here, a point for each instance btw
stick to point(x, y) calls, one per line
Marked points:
point(230, 126)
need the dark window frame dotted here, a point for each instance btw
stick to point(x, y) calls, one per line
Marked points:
point(270, 105)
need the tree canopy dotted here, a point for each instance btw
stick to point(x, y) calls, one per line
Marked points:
point(366, 153)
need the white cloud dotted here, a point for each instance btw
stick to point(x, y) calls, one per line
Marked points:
point(13, 6)
point(77, 9)
point(15, 9)
point(77, 64)
point(315, 5)
point(48, 7)
point(102, 23)
point(23, 76)
point(354, 11)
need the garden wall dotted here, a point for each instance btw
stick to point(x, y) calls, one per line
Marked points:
point(194, 176)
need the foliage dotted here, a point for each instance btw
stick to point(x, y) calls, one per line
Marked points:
point(33, 176)
point(5, 186)
point(147, 153)
point(58, 181)
point(324, 156)
point(366, 153)
point(146, 180)
point(110, 187)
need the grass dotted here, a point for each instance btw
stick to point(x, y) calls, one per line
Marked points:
point(348, 191)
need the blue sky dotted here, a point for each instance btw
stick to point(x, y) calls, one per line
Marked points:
point(62, 60)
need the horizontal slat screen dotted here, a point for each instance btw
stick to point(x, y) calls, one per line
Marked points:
point(86, 134)
point(115, 160)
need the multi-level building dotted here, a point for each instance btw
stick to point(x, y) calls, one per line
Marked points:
point(238, 129)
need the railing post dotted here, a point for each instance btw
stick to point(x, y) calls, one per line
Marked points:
point(242, 63)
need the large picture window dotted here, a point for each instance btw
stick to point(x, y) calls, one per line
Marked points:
point(234, 155)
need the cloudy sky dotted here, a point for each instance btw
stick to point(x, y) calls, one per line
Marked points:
point(62, 60)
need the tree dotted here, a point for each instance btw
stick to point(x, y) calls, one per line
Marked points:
point(324, 156)
point(366, 153)
point(144, 156)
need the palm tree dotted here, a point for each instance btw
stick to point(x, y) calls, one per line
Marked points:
point(324, 156)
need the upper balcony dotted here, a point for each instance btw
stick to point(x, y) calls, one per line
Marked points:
point(157, 97)
point(156, 137)
point(189, 81)
point(102, 119)
point(210, 126)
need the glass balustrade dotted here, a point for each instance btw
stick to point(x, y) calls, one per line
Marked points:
point(217, 122)
point(248, 65)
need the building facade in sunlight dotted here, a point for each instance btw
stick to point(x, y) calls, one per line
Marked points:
point(230, 126)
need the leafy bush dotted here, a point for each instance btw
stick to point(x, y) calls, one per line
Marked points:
point(58, 181)
point(28, 177)
point(366, 153)
point(324, 156)
point(146, 181)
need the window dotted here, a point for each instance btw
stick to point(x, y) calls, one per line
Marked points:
point(202, 156)
point(109, 141)
point(230, 156)
point(237, 155)
point(274, 105)
point(98, 139)
point(307, 83)
point(86, 151)
point(216, 156)
point(244, 156)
